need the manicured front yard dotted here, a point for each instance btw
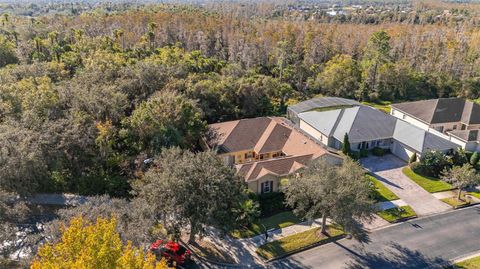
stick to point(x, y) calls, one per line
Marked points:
point(473, 263)
point(277, 221)
point(298, 241)
point(430, 184)
point(396, 214)
point(382, 193)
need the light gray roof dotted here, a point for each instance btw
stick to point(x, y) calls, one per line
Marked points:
point(361, 123)
point(419, 139)
point(370, 124)
point(409, 135)
point(364, 123)
point(326, 125)
point(321, 102)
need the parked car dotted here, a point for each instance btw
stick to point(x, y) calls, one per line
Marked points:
point(173, 252)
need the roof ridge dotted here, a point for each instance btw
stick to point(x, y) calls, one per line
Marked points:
point(434, 109)
point(266, 134)
point(335, 125)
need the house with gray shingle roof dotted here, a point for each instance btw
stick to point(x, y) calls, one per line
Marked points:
point(450, 118)
point(368, 128)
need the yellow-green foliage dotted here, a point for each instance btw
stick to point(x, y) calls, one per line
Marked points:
point(85, 245)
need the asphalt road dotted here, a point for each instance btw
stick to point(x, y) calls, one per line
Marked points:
point(430, 242)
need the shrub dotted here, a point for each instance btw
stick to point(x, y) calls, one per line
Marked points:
point(363, 153)
point(346, 145)
point(474, 158)
point(271, 203)
point(459, 157)
point(379, 151)
point(433, 162)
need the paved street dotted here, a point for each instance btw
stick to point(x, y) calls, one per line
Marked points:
point(388, 169)
point(429, 242)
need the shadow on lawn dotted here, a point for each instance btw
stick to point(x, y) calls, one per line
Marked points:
point(394, 256)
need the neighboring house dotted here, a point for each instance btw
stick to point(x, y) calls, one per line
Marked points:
point(265, 149)
point(440, 115)
point(368, 128)
point(449, 118)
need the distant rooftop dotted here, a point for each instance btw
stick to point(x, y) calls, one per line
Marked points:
point(442, 110)
point(322, 102)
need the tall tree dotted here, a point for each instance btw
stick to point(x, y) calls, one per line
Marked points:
point(340, 77)
point(93, 245)
point(375, 62)
point(193, 190)
point(166, 119)
point(461, 177)
point(341, 193)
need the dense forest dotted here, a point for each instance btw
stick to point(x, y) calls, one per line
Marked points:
point(88, 95)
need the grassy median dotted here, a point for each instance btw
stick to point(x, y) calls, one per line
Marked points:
point(397, 214)
point(298, 241)
point(430, 184)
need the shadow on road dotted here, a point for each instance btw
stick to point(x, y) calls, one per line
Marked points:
point(287, 264)
point(394, 256)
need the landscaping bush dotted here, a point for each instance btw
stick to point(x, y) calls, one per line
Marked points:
point(363, 153)
point(459, 157)
point(432, 163)
point(474, 158)
point(271, 203)
point(379, 151)
point(418, 168)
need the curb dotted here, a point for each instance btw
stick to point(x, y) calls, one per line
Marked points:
point(327, 241)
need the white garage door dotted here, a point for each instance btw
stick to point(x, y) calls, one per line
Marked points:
point(401, 151)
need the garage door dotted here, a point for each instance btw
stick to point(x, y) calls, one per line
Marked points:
point(401, 151)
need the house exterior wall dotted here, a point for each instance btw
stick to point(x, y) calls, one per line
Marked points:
point(314, 133)
point(255, 185)
point(239, 156)
point(409, 119)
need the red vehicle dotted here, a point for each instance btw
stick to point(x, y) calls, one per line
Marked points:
point(171, 251)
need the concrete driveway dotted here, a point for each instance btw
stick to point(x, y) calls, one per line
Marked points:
point(388, 169)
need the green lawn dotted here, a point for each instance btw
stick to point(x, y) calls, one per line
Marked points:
point(277, 221)
point(430, 184)
point(382, 193)
point(298, 241)
point(397, 213)
point(382, 105)
point(473, 263)
point(475, 194)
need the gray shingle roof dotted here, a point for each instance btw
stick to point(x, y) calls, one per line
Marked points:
point(361, 123)
point(321, 102)
point(419, 139)
point(442, 110)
